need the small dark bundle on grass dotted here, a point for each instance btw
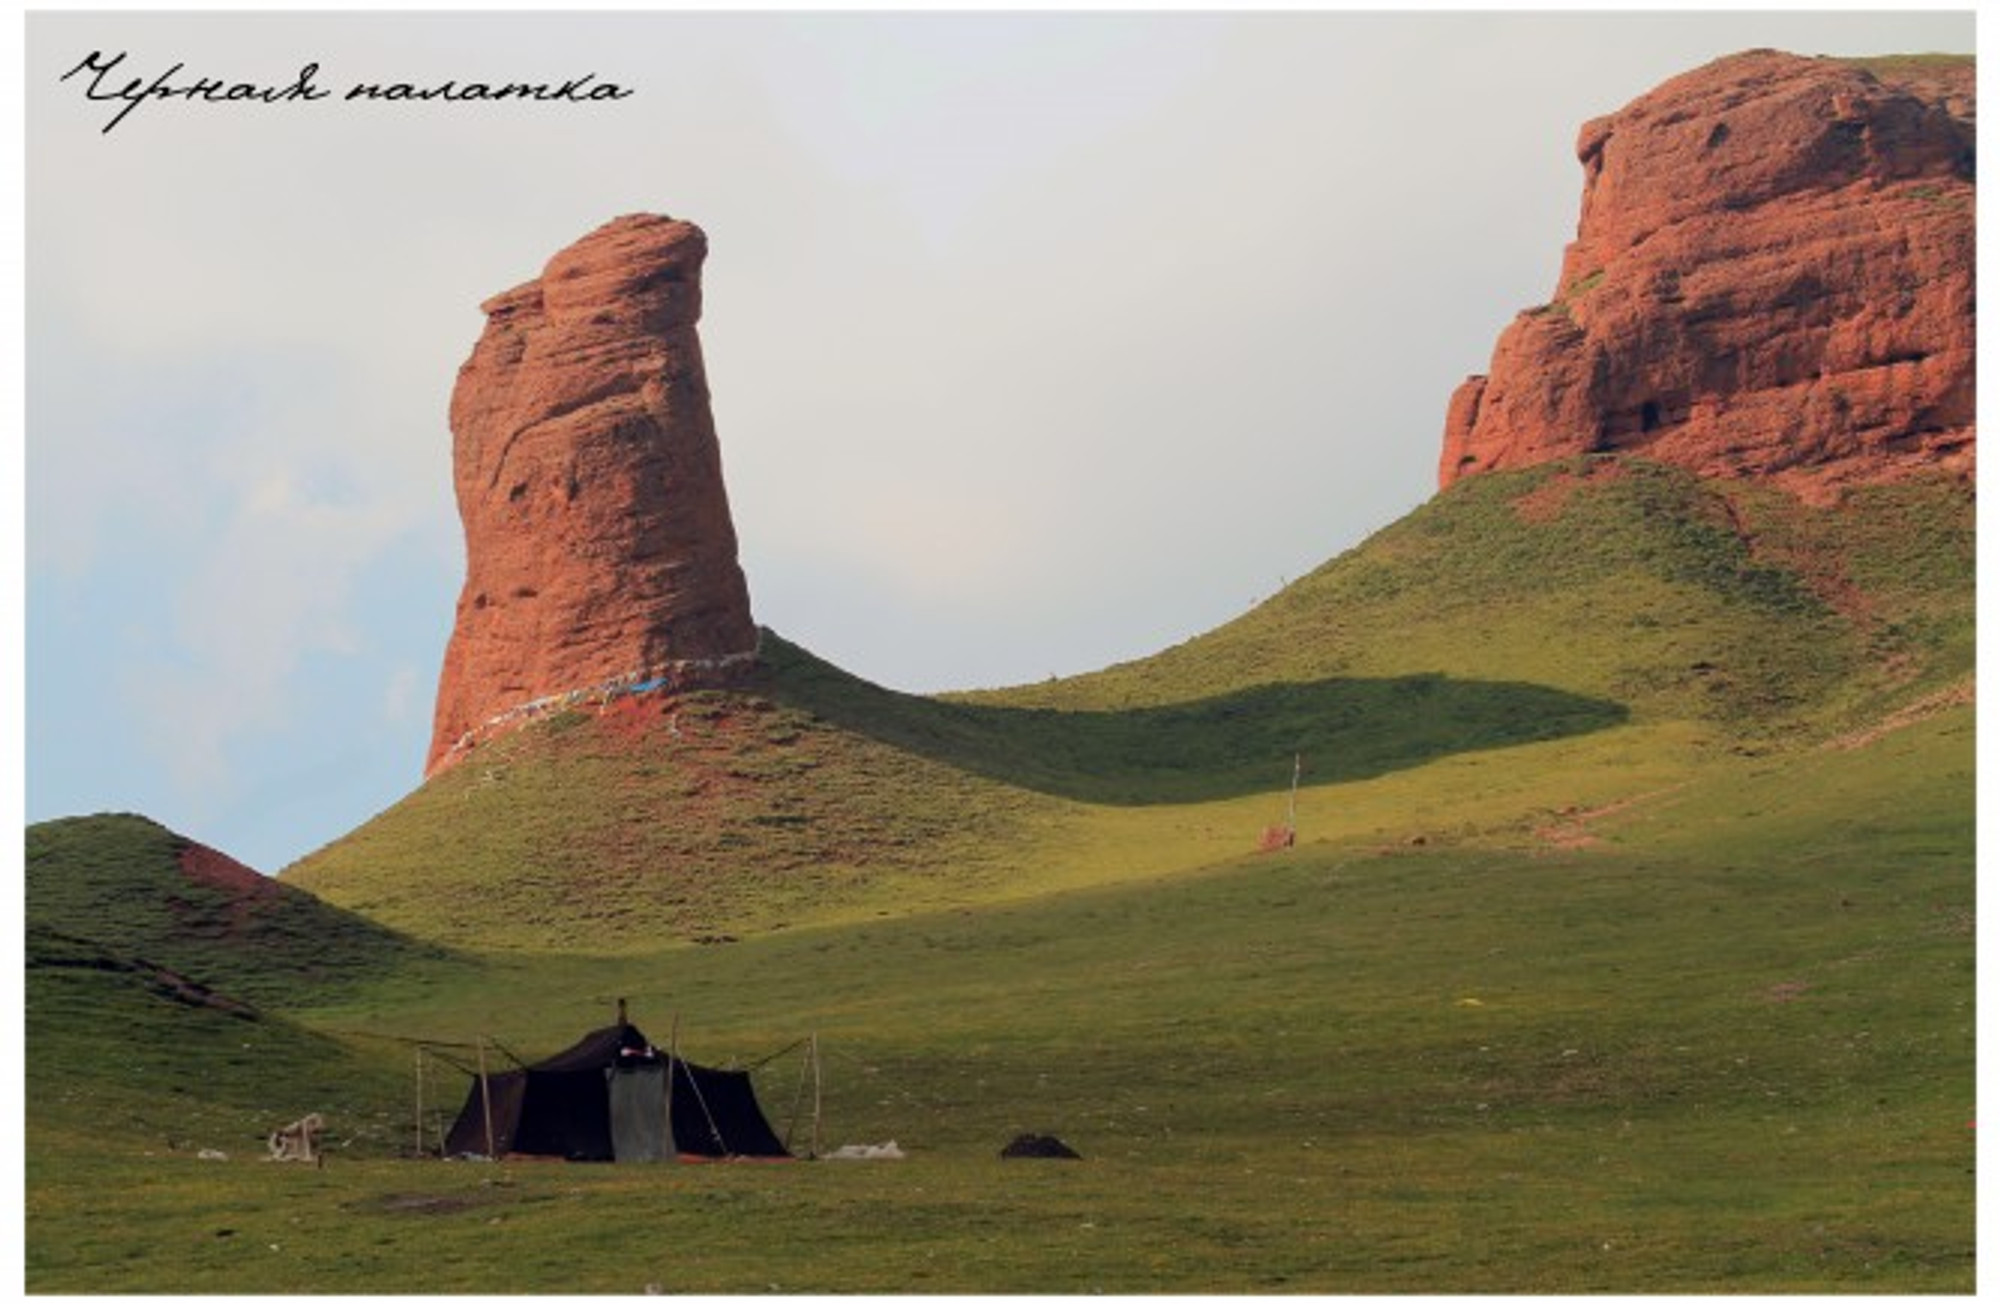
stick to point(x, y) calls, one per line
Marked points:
point(1030, 1145)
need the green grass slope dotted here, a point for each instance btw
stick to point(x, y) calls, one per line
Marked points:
point(131, 887)
point(1628, 947)
point(1726, 1048)
point(809, 795)
point(128, 1057)
point(1567, 637)
point(1674, 597)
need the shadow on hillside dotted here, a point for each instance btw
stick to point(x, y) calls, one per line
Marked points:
point(126, 886)
point(1233, 745)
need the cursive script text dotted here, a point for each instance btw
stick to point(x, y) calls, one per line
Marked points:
point(104, 79)
point(213, 90)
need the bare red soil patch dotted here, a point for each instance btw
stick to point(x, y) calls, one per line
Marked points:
point(247, 890)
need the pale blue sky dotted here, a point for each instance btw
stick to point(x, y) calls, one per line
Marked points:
point(1037, 341)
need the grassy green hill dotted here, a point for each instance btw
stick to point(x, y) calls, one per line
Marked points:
point(138, 889)
point(1627, 947)
point(1601, 627)
point(1674, 597)
point(1729, 1049)
point(158, 974)
point(127, 1055)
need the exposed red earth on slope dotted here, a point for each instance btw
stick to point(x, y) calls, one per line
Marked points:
point(212, 868)
point(248, 893)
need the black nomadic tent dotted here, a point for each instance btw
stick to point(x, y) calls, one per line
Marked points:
point(614, 1096)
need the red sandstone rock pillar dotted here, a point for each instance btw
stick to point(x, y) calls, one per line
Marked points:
point(1772, 276)
point(598, 543)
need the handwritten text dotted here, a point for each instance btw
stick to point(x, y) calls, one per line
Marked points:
point(103, 80)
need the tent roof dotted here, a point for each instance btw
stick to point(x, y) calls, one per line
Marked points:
point(595, 1050)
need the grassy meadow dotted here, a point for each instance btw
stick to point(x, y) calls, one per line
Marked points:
point(1637, 959)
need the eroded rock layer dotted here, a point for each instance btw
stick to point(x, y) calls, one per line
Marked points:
point(600, 554)
point(1772, 276)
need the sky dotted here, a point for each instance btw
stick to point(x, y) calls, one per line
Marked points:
point(1037, 341)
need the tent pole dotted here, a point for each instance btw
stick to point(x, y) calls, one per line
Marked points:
point(486, 1100)
point(798, 1097)
point(1292, 804)
point(814, 1152)
point(673, 1058)
point(673, 1063)
point(420, 1101)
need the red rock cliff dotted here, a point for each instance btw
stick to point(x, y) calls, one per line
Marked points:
point(599, 548)
point(1772, 276)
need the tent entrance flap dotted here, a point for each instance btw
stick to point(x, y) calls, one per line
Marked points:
point(639, 1114)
